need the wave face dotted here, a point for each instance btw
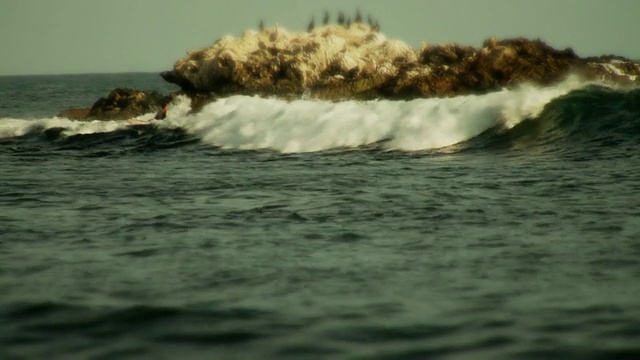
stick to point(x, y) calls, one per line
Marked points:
point(593, 116)
point(524, 117)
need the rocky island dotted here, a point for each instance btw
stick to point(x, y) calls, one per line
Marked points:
point(356, 61)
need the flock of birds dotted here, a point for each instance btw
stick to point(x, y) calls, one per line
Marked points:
point(342, 19)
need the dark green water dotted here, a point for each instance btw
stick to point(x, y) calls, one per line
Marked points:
point(155, 243)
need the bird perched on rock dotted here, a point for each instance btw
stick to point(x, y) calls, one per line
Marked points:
point(376, 26)
point(312, 24)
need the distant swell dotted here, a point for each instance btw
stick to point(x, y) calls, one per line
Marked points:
point(527, 116)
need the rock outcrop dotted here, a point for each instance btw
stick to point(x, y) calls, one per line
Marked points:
point(356, 61)
point(336, 59)
point(341, 62)
point(120, 104)
point(123, 104)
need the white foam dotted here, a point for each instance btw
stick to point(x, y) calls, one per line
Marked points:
point(10, 127)
point(242, 122)
point(612, 68)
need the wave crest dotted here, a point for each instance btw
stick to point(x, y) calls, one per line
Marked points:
point(242, 122)
point(305, 125)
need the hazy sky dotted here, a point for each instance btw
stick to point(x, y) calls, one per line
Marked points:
point(81, 36)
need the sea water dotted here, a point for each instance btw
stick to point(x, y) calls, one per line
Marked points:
point(497, 226)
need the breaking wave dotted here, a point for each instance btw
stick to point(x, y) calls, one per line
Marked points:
point(526, 115)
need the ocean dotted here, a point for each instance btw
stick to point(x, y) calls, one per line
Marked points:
point(497, 226)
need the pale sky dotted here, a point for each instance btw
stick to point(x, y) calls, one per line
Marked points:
point(103, 36)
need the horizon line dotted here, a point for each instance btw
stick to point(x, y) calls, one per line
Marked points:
point(82, 73)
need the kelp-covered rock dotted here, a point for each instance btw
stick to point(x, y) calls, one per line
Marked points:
point(342, 62)
point(123, 104)
point(452, 69)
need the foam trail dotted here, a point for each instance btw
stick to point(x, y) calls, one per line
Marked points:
point(242, 122)
point(10, 127)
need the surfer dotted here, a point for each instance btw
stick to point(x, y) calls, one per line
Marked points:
point(162, 114)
